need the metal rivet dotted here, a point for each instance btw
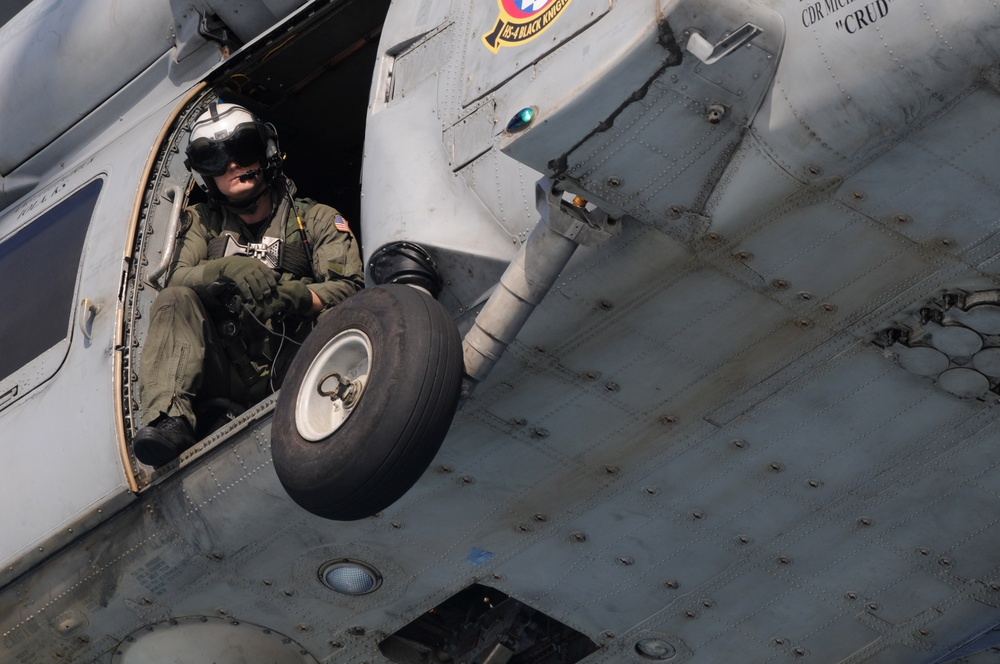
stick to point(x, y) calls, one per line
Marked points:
point(612, 387)
point(873, 606)
point(615, 181)
point(944, 561)
point(804, 295)
point(803, 323)
point(815, 484)
point(672, 584)
point(784, 560)
point(858, 195)
point(743, 255)
point(743, 539)
point(578, 537)
point(697, 515)
point(522, 528)
point(851, 595)
point(740, 444)
point(776, 466)
point(626, 561)
point(651, 490)
point(468, 479)
point(540, 433)
point(865, 521)
point(780, 284)
point(540, 518)
point(707, 603)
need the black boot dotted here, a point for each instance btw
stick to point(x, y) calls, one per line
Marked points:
point(163, 440)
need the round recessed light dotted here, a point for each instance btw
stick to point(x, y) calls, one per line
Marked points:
point(350, 577)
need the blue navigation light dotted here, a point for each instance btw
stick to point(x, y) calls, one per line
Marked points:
point(521, 120)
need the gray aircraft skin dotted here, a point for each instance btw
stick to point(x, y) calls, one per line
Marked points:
point(725, 282)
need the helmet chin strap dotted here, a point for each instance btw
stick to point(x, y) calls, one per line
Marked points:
point(250, 204)
point(247, 207)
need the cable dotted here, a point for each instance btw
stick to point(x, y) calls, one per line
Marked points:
point(284, 337)
point(302, 229)
point(270, 330)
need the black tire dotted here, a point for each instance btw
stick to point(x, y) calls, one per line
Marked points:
point(398, 423)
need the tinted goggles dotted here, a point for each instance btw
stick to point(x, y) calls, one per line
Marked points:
point(245, 146)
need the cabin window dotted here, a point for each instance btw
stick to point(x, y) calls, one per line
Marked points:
point(38, 270)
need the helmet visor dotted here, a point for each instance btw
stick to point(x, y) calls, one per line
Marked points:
point(212, 157)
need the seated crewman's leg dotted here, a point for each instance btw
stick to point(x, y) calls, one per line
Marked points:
point(179, 355)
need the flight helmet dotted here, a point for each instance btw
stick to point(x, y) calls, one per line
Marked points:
point(224, 133)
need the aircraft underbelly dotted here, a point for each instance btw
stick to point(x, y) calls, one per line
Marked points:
point(708, 446)
point(739, 479)
point(594, 478)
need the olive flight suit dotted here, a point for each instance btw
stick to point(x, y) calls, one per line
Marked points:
point(202, 342)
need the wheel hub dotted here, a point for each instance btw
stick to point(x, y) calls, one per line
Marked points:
point(333, 385)
point(347, 392)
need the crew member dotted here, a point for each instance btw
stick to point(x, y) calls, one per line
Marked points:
point(253, 268)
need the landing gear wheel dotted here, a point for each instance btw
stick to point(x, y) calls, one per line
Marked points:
point(367, 402)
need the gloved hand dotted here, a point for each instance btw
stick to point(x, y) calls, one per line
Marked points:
point(254, 280)
point(290, 297)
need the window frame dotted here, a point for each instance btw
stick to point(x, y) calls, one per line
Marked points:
point(42, 363)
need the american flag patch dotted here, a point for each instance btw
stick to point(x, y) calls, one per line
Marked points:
point(341, 224)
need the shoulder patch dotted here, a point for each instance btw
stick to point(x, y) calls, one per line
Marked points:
point(341, 224)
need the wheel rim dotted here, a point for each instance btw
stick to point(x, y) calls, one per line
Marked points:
point(333, 385)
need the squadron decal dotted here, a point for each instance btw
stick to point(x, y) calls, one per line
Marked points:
point(521, 21)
